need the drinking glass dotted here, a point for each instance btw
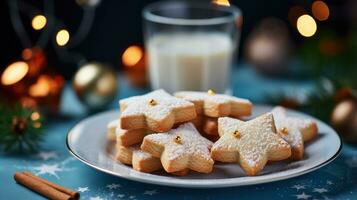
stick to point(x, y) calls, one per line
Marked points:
point(191, 45)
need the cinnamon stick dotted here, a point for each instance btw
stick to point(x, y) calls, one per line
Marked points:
point(73, 194)
point(41, 187)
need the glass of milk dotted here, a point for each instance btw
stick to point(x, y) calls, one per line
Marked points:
point(191, 45)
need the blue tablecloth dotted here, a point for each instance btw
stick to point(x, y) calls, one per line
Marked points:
point(337, 180)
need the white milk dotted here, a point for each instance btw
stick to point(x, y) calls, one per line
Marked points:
point(199, 61)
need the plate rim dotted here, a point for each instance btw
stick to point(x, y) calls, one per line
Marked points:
point(200, 185)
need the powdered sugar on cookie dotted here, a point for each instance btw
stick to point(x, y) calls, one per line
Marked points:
point(290, 129)
point(250, 143)
point(157, 111)
point(181, 147)
point(217, 105)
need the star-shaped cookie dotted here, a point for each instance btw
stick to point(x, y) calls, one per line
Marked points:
point(140, 160)
point(124, 137)
point(292, 129)
point(157, 111)
point(130, 137)
point(217, 105)
point(251, 143)
point(181, 148)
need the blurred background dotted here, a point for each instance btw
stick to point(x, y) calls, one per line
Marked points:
point(300, 54)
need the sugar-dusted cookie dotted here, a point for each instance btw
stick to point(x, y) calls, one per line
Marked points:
point(309, 130)
point(291, 129)
point(181, 148)
point(111, 127)
point(307, 127)
point(206, 125)
point(251, 143)
point(157, 111)
point(210, 126)
point(124, 137)
point(140, 160)
point(217, 105)
point(130, 137)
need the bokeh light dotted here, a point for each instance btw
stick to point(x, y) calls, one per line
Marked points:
point(37, 125)
point(39, 22)
point(221, 2)
point(42, 88)
point(14, 73)
point(62, 37)
point(132, 55)
point(320, 10)
point(306, 25)
point(35, 116)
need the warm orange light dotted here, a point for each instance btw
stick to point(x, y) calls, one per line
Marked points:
point(62, 37)
point(42, 88)
point(35, 116)
point(132, 56)
point(306, 25)
point(221, 2)
point(14, 73)
point(37, 125)
point(320, 10)
point(27, 54)
point(39, 22)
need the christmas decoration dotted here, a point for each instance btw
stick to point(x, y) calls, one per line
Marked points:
point(268, 47)
point(344, 119)
point(95, 85)
point(46, 92)
point(32, 80)
point(134, 62)
point(332, 101)
point(20, 128)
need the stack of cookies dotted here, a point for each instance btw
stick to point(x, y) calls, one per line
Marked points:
point(210, 106)
point(192, 130)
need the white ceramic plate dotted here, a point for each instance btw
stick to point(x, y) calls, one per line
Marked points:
point(87, 141)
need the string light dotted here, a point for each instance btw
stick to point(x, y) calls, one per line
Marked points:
point(42, 88)
point(35, 116)
point(37, 125)
point(221, 2)
point(132, 55)
point(14, 73)
point(39, 22)
point(306, 25)
point(62, 37)
point(320, 10)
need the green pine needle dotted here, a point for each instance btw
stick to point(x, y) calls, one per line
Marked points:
point(29, 138)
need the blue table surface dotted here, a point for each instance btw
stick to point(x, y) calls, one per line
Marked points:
point(338, 180)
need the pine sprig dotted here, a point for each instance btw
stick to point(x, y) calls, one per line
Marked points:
point(20, 128)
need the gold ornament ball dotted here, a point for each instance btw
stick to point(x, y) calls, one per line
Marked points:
point(95, 85)
point(344, 119)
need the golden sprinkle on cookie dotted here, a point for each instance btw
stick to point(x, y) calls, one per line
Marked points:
point(178, 140)
point(284, 130)
point(236, 134)
point(152, 102)
point(211, 92)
